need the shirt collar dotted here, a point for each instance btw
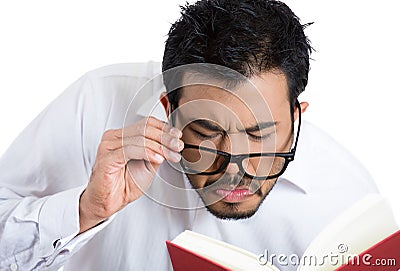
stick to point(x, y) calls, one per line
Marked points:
point(291, 177)
point(295, 173)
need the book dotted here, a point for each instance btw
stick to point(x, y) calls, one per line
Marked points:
point(356, 239)
point(386, 252)
point(194, 251)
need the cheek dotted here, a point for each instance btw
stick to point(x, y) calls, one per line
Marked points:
point(198, 181)
point(283, 137)
point(187, 136)
point(267, 185)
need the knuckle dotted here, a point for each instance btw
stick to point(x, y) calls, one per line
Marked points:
point(155, 147)
point(149, 155)
point(141, 126)
point(165, 138)
point(151, 119)
point(112, 133)
point(146, 129)
point(146, 122)
point(142, 142)
point(107, 134)
point(104, 145)
point(159, 148)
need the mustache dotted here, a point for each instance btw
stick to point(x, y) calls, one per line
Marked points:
point(231, 182)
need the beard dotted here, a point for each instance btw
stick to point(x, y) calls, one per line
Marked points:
point(231, 210)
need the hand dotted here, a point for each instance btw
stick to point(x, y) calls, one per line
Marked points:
point(125, 166)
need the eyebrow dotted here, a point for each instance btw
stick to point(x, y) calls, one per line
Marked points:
point(260, 126)
point(208, 125)
point(216, 128)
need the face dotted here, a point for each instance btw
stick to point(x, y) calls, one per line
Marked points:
point(252, 118)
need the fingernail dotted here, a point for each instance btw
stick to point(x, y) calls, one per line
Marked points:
point(175, 132)
point(174, 143)
point(158, 157)
point(175, 156)
point(180, 145)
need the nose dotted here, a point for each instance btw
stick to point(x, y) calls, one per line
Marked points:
point(245, 165)
point(232, 169)
point(237, 143)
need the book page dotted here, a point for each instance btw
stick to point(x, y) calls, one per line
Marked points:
point(223, 253)
point(364, 224)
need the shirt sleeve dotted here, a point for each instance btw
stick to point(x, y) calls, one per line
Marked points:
point(43, 174)
point(47, 167)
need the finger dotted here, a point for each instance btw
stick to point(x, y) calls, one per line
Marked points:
point(168, 151)
point(117, 159)
point(151, 122)
point(156, 147)
point(140, 153)
point(113, 142)
point(136, 129)
point(168, 140)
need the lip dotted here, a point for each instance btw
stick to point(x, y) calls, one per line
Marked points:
point(234, 195)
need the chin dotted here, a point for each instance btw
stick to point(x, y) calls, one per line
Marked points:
point(232, 208)
point(231, 211)
point(237, 210)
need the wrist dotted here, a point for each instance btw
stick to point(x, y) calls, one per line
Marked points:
point(88, 217)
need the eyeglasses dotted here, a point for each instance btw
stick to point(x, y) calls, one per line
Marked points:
point(258, 166)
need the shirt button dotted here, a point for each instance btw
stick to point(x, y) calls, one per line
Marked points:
point(13, 267)
point(56, 243)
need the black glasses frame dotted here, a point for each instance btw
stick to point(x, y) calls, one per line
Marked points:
point(238, 158)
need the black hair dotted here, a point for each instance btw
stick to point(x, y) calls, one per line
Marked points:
point(248, 36)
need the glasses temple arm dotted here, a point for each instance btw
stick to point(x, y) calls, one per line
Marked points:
point(298, 128)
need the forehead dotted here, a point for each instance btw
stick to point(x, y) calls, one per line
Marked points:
point(260, 98)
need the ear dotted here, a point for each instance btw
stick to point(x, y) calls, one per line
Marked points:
point(165, 102)
point(303, 107)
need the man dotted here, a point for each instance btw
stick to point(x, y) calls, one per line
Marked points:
point(73, 183)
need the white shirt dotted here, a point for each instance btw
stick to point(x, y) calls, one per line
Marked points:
point(47, 167)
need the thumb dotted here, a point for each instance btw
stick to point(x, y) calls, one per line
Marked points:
point(141, 173)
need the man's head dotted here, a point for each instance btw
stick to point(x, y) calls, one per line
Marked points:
point(264, 42)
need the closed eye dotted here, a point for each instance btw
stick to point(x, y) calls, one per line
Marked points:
point(260, 138)
point(204, 136)
point(214, 135)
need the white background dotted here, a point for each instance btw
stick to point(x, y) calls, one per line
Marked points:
point(353, 86)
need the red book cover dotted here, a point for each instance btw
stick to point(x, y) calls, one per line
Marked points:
point(384, 255)
point(184, 260)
